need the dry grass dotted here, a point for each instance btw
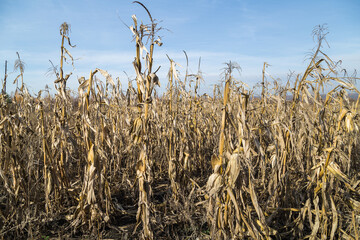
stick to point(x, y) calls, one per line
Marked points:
point(103, 164)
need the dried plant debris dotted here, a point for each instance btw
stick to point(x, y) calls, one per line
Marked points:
point(281, 162)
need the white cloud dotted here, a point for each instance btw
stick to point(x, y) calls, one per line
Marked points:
point(115, 62)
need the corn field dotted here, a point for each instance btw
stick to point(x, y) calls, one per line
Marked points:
point(279, 161)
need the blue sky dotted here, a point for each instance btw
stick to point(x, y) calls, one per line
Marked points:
point(246, 31)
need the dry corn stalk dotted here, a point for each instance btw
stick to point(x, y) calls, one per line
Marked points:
point(145, 80)
point(143, 212)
